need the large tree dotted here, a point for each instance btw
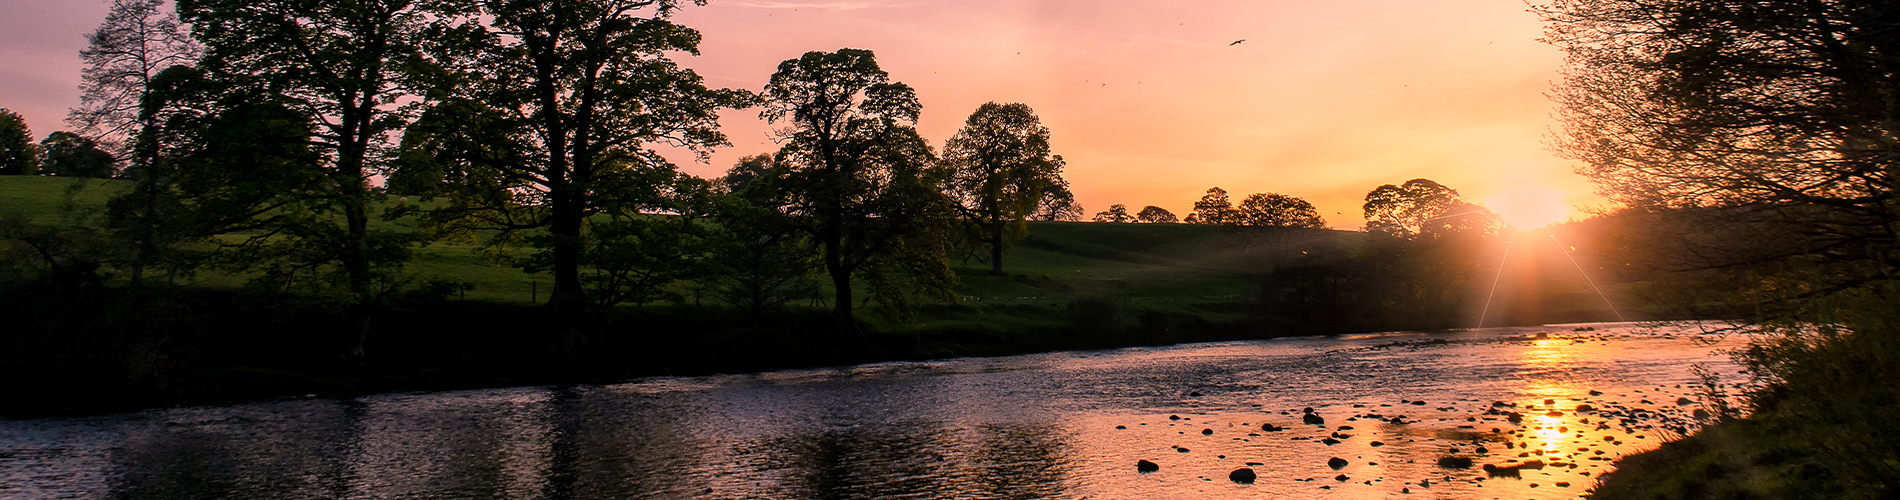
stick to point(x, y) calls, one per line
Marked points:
point(860, 179)
point(1753, 107)
point(67, 154)
point(1155, 215)
point(1001, 169)
point(1774, 128)
point(1277, 210)
point(548, 114)
point(345, 67)
point(138, 39)
point(1213, 208)
point(17, 154)
point(1423, 208)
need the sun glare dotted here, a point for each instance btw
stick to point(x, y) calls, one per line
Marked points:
point(1529, 207)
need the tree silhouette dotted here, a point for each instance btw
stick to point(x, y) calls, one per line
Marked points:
point(1424, 208)
point(1058, 204)
point(545, 119)
point(1000, 170)
point(138, 39)
point(859, 179)
point(67, 154)
point(1277, 210)
point(17, 154)
point(1213, 208)
point(1155, 215)
point(1117, 213)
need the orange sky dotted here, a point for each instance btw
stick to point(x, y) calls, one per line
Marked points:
point(1148, 101)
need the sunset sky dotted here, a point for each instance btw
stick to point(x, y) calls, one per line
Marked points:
point(1150, 102)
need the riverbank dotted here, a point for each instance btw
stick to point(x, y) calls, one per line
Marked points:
point(118, 350)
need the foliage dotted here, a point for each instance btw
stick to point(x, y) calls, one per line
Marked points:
point(545, 115)
point(1155, 215)
point(1775, 120)
point(762, 260)
point(1213, 208)
point(1000, 169)
point(67, 154)
point(859, 179)
point(1117, 213)
point(1424, 209)
point(345, 68)
point(138, 39)
point(1276, 210)
point(17, 154)
point(1058, 204)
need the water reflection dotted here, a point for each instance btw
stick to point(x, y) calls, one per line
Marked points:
point(1546, 414)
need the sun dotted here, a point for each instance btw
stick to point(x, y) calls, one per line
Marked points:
point(1529, 206)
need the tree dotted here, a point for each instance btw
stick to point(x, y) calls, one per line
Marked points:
point(1422, 208)
point(764, 261)
point(858, 177)
point(1155, 215)
point(1000, 169)
point(1117, 214)
point(124, 57)
point(1770, 130)
point(1214, 208)
point(345, 66)
point(1058, 204)
point(17, 154)
point(546, 115)
point(138, 39)
point(1277, 210)
point(1753, 108)
point(67, 154)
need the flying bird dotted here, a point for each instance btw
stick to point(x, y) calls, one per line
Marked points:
point(1236, 42)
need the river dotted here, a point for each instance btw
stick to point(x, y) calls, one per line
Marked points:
point(1056, 425)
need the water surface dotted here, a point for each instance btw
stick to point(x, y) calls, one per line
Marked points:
point(1059, 425)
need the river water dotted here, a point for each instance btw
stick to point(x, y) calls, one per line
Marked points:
point(1058, 425)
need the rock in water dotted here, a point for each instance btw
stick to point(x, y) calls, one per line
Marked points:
point(1337, 463)
point(1684, 401)
point(1207, 432)
point(1242, 475)
point(1146, 466)
point(1269, 427)
point(1314, 419)
point(1454, 462)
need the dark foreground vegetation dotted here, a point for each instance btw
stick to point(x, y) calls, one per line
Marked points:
point(1765, 138)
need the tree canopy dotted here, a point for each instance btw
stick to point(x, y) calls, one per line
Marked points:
point(1155, 215)
point(1117, 214)
point(17, 154)
point(1425, 209)
point(1213, 208)
point(67, 154)
point(859, 178)
point(138, 39)
point(1000, 170)
point(1277, 210)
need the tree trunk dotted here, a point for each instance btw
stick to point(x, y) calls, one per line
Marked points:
point(568, 299)
point(356, 262)
point(840, 283)
point(996, 248)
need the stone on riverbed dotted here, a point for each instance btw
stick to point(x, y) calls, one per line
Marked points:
point(1337, 463)
point(1242, 475)
point(1145, 466)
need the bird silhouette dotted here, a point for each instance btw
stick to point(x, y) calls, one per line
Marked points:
point(1236, 42)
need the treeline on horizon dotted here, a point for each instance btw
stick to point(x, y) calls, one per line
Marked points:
point(247, 147)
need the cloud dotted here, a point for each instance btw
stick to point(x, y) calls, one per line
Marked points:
point(871, 4)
